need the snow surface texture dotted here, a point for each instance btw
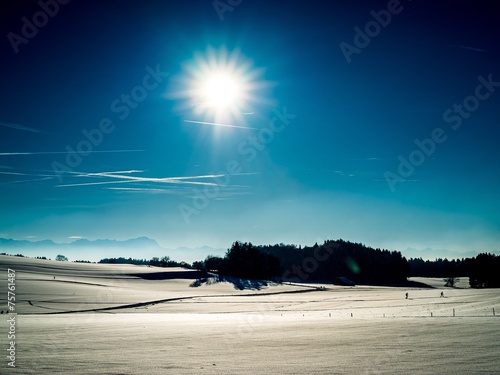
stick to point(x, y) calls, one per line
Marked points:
point(124, 319)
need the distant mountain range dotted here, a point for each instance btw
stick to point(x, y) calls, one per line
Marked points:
point(83, 249)
point(433, 254)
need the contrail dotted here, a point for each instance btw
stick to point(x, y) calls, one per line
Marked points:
point(96, 183)
point(471, 48)
point(127, 179)
point(141, 180)
point(25, 181)
point(21, 127)
point(218, 124)
point(59, 152)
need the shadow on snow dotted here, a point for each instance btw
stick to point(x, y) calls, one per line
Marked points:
point(238, 283)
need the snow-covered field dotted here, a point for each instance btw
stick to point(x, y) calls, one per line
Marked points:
point(124, 319)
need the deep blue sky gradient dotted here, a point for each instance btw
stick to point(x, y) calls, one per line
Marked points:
point(321, 177)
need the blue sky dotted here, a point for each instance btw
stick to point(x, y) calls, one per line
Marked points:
point(101, 136)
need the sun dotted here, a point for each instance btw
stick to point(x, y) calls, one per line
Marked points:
point(220, 86)
point(220, 91)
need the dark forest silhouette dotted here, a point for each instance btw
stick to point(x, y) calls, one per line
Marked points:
point(333, 261)
point(155, 261)
point(339, 260)
point(326, 263)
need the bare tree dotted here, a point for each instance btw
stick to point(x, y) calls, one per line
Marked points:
point(451, 281)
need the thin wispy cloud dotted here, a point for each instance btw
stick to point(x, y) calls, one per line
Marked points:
point(61, 152)
point(219, 124)
point(155, 179)
point(26, 181)
point(104, 173)
point(127, 171)
point(147, 190)
point(138, 178)
point(25, 174)
point(14, 173)
point(95, 183)
point(173, 180)
point(227, 192)
point(116, 178)
point(40, 177)
point(21, 127)
point(31, 175)
point(471, 48)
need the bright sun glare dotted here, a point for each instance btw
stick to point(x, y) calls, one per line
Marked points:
point(221, 86)
point(220, 91)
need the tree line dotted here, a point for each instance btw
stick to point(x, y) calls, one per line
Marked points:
point(333, 261)
point(483, 270)
point(155, 261)
point(325, 263)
